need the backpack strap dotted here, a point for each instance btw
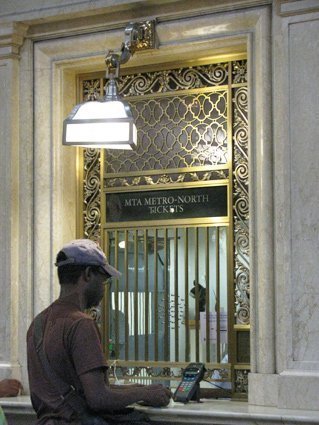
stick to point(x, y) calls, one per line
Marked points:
point(68, 393)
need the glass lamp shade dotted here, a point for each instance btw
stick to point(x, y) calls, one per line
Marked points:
point(104, 124)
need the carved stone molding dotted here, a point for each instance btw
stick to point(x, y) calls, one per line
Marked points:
point(297, 7)
point(11, 39)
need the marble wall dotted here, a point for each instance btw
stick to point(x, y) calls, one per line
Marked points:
point(296, 199)
point(43, 45)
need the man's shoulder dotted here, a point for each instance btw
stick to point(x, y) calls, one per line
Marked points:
point(66, 313)
point(41, 315)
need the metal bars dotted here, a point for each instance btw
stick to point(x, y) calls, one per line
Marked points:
point(169, 302)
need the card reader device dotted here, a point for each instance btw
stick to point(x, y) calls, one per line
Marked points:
point(188, 388)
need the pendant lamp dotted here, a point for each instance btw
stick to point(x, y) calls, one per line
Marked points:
point(108, 123)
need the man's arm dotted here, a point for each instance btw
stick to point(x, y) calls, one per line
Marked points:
point(101, 397)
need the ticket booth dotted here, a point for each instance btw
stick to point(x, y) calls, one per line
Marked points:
point(172, 215)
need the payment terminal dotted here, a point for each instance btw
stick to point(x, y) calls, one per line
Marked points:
point(188, 388)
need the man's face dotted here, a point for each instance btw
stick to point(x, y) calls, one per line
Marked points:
point(94, 291)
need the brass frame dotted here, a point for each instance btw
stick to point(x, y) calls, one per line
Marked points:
point(240, 370)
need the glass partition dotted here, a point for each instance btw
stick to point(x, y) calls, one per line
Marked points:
point(171, 302)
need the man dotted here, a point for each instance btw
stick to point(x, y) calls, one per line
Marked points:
point(72, 345)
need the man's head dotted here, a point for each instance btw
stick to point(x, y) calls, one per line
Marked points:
point(84, 258)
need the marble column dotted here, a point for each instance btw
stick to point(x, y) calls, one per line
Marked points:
point(11, 40)
point(296, 195)
point(294, 384)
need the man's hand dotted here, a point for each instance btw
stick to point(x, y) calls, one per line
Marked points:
point(10, 387)
point(157, 396)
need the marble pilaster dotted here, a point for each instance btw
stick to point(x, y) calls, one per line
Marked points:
point(11, 39)
point(295, 119)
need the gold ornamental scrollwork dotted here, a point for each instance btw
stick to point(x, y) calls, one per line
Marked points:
point(145, 180)
point(239, 72)
point(92, 195)
point(162, 372)
point(91, 89)
point(174, 80)
point(241, 381)
point(241, 204)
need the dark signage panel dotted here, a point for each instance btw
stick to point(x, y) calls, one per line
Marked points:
point(167, 204)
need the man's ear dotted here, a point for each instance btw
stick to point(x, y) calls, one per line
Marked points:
point(87, 273)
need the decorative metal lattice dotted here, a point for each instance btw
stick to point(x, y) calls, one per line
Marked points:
point(176, 132)
point(188, 147)
point(174, 80)
point(92, 195)
point(199, 176)
point(241, 381)
point(160, 372)
point(91, 89)
point(182, 116)
point(241, 205)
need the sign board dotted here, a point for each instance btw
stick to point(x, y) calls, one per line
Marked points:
point(213, 326)
point(167, 204)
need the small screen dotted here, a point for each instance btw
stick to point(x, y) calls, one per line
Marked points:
point(191, 372)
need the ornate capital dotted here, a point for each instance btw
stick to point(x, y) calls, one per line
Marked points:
point(11, 39)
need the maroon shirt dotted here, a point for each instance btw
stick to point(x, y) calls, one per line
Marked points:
point(72, 344)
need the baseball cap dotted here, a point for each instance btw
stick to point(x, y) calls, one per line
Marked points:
point(84, 252)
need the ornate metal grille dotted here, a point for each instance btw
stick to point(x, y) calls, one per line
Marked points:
point(165, 81)
point(241, 205)
point(92, 195)
point(192, 127)
point(190, 135)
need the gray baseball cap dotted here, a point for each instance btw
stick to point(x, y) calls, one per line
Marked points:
point(85, 252)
